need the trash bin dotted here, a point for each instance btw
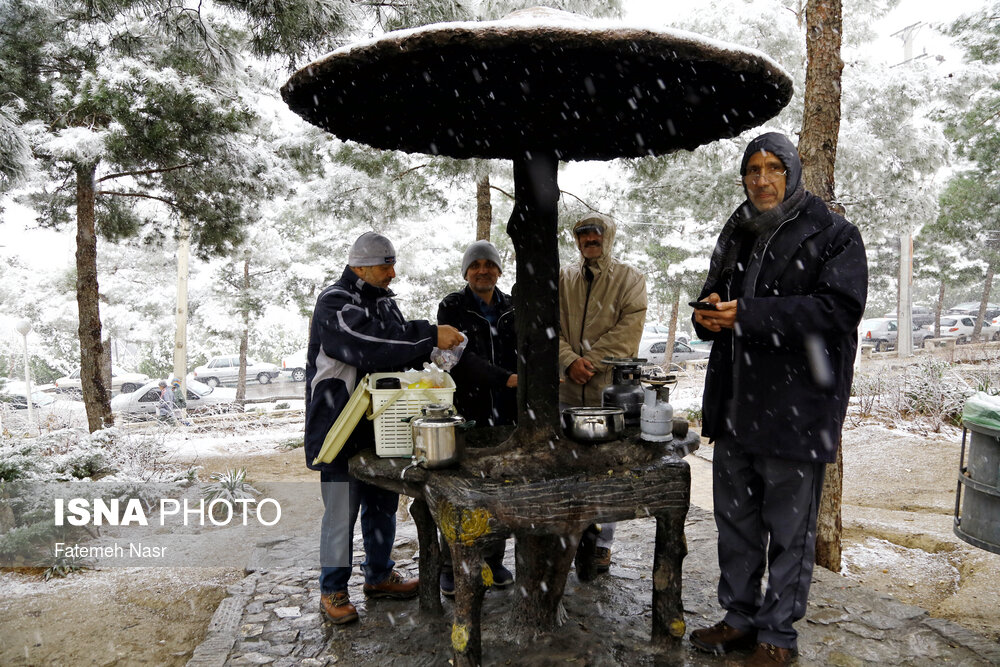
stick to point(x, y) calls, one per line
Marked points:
point(977, 496)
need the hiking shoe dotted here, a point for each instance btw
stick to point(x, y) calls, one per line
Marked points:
point(502, 577)
point(601, 561)
point(447, 583)
point(338, 608)
point(394, 587)
point(722, 638)
point(769, 655)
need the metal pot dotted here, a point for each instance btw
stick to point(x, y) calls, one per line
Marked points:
point(438, 436)
point(593, 424)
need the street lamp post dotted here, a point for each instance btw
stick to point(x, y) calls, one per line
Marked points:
point(24, 328)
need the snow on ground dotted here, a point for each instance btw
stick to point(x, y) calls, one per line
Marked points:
point(185, 443)
point(912, 566)
point(102, 583)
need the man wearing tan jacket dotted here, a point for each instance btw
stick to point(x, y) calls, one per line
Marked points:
point(602, 309)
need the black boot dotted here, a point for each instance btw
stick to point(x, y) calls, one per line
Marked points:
point(585, 553)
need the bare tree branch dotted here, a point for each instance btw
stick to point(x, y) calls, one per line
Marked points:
point(145, 172)
point(139, 195)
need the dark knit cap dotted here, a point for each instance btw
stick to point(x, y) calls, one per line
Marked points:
point(480, 250)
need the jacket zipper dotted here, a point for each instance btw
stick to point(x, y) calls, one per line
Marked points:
point(493, 359)
point(767, 244)
point(583, 326)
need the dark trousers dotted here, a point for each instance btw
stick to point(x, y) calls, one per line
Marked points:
point(765, 511)
point(378, 530)
point(493, 555)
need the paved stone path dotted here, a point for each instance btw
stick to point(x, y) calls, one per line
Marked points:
point(272, 617)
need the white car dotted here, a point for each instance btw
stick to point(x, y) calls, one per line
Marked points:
point(295, 365)
point(50, 411)
point(121, 382)
point(200, 398)
point(961, 327)
point(654, 350)
point(226, 370)
point(883, 333)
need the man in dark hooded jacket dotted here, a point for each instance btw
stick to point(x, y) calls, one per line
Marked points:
point(787, 284)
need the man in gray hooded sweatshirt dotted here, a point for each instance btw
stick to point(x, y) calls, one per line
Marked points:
point(787, 286)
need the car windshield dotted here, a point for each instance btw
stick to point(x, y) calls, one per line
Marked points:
point(948, 322)
point(199, 388)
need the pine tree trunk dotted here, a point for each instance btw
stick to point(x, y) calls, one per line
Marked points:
point(675, 298)
point(937, 310)
point(484, 209)
point(241, 380)
point(818, 149)
point(821, 115)
point(977, 332)
point(106, 364)
point(96, 396)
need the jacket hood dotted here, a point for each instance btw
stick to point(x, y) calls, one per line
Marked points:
point(780, 145)
point(607, 224)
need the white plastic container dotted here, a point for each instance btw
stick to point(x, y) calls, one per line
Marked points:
point(393, 436)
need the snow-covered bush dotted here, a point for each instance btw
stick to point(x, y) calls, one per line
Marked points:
point(867, 391)
point(35, 471)
point(934, 390)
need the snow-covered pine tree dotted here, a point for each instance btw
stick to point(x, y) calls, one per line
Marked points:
point(134, 110)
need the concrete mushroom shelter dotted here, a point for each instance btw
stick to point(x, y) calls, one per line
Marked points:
point(537, 87)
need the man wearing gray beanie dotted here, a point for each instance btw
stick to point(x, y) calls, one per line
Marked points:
point(357, 329)
point(486, 375)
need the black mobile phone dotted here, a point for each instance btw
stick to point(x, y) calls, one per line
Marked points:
point(702, 305)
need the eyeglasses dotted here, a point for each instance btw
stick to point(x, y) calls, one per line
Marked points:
point(755, 174)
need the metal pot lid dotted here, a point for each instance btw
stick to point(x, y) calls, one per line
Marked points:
point(439, 413)
point(624, 361)
point(437, 410)
point(594, 412)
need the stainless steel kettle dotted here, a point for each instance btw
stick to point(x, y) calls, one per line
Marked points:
point(438, 436)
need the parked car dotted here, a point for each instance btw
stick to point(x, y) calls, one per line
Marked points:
point(16, 398)
point(655, 352)
point(961, 327)
point(121, 382)
point(658, 331)
point(226, 370)
point(295, 365)
point(972, 308)
point(919, 315)
point(50, 411)
point(201, 398)
point(883, 333)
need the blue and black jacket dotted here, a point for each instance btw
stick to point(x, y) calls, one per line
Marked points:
point(356, 329)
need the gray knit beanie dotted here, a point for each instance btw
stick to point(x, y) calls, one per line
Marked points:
point(480, 250)
point(371, 249)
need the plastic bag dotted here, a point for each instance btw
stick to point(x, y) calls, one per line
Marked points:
point(982, 409)
point(446, 359)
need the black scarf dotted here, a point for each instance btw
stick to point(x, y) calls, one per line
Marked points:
point(758, 226)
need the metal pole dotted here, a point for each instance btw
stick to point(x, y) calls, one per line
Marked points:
point(24, 328)
point(904, 320)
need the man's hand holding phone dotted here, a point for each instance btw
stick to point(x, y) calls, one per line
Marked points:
point(715, 314)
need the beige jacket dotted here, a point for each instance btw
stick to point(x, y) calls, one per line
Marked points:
point(605, 321)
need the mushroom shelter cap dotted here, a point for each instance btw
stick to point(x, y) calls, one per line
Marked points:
point(539, 80)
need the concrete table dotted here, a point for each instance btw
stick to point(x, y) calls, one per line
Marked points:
point(547, 516)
